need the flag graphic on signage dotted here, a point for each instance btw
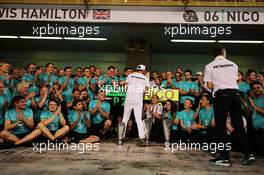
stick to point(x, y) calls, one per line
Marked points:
point(101, 14)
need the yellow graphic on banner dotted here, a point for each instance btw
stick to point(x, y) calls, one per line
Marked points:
point(163, 94)
point(202, 3)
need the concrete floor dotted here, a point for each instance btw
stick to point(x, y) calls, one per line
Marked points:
point(118, 160)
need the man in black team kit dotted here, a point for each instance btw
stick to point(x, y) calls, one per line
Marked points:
point(221, 76)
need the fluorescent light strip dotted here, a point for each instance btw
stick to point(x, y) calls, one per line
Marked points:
point(240, 41)
point(8, 36)
point(37, 37)
point(192, 41)
point(89, 39)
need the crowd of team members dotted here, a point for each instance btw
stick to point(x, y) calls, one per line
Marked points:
point(40, 103)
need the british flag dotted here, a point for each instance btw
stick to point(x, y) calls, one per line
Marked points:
point(101, 13)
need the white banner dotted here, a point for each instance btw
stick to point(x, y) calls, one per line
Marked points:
point(135, 14)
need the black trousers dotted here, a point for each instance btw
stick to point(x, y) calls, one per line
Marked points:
point(228, 100)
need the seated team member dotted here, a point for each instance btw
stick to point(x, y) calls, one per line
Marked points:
point(154, 111)
point(169, 111)
point(22, 89)
point(170, 82)
point(109, 78)
point(188, 88)
point(4, 103)
point(49, 78)
point(186, 120)
point(53, 125)
point(257, 105)
point(87, 83)
point(79, 121)
point(100, 115)
point(19, 123)
point(66, 84)
point(205, 114)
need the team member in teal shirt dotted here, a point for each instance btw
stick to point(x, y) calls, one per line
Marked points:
point(169, 111)
point(243, 86)
point(67, 84)
point(188, 88)
point(4, 70)
point(108, 79)
point(22, 89)
point(49, 78)
point(19, 123)
point(4, 103)
point(53, 125)
point(87, 83)
point(170, 82)
point(42, 103)
point(100, 115)
point(205, 115)
point(257, 104)
point(79, 121)
point(122, 79)
point(186, 120)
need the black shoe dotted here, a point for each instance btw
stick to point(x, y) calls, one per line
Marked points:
point(220, 161)
point(248, 159)
point(141, 143)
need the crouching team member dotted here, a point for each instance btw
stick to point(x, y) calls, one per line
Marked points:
point(257, 105)
point(170, 129)
point(169, 112)
point(153, 113)
point(79, 121)
point(19, 124)
point(100, 117)
point(53, 125)
point(205, 115)
point(186, 120)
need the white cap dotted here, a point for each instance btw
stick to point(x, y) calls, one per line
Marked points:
point(141, 67)
point(199, 73)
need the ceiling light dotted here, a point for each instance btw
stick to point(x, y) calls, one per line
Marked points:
point(192, 41)
point(8, 36)
point(240, 41)
point(38, 37)
point(89, 39)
